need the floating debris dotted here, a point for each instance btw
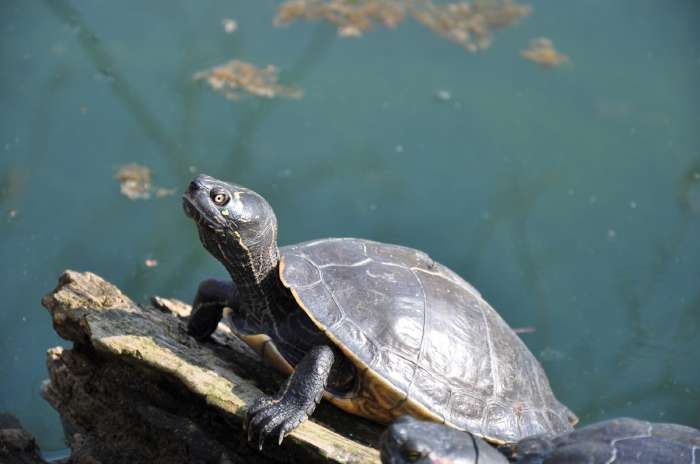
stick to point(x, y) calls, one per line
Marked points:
point(353, 18)
point(237, 78)
point(135, 183)
point(230, 25)
point(151, 262)
point(500, 14)
point(467, 24)
point(11, 214)
point(542, 52)
point(525, 330)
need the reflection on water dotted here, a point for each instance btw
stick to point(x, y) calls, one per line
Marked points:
point(571, 200)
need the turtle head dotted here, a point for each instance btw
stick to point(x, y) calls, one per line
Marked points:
point(230, 218)
point(410, 441)
point(400, 444)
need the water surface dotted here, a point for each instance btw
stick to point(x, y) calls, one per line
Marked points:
point(570, 197)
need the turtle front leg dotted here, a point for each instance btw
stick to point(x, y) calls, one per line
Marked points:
point(212, 297)
point(296, 400)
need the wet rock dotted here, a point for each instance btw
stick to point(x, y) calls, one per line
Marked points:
point(136, 388)
point(17, 446)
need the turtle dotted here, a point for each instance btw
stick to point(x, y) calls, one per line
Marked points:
point(379, 330)
point(621, 441)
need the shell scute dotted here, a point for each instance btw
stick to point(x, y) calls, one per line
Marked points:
point(426, 339)
point(301, 272)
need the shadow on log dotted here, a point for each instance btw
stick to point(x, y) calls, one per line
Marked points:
point(136, 388)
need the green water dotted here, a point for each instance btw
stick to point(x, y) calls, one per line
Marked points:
point(569, 197)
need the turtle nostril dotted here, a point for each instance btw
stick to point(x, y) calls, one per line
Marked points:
point(194, 186)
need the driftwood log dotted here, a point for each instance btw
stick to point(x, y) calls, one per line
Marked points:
point(136, 388)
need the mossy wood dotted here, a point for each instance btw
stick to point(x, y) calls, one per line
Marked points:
point(138, 386)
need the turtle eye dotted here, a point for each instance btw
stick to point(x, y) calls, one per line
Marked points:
point(411, 452)
point(220, 198)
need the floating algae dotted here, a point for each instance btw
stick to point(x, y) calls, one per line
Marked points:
point(353, 18)
point(237, 78)
point(542, 52)
point(467, 24)
point(135, 183)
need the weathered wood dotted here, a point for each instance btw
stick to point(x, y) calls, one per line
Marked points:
point(135, 387)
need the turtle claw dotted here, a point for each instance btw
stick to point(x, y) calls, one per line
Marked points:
point(281, 437)
point(278, 415)
point(290, 424)
point(269, 416)
point(261, 403)
point(261, 441)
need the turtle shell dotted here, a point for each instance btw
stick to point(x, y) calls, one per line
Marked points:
point(622, 440)
point(424, 341)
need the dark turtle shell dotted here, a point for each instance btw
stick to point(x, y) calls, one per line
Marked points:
point(619, 441)
point(424, 341)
